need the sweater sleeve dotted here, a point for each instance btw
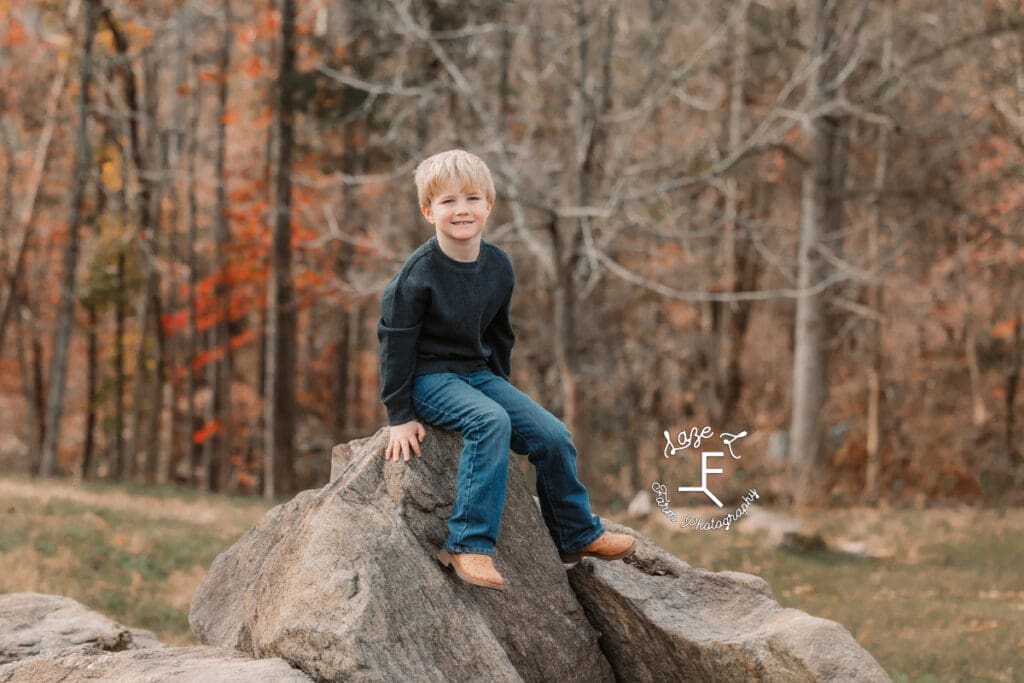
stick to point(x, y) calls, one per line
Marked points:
point(403, 304)
point(500, 337)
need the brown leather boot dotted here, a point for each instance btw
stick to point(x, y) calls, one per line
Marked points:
point(608, 546)
point(474, 568)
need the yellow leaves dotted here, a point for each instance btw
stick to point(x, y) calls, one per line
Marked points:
point(105, 40)
point(110, 169)
point(138, 35)
point(134, 34)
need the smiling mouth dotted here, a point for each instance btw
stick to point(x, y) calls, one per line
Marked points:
point(462, 222)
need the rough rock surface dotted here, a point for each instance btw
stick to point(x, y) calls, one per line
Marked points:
point(199, 664)
point(672, 622)
point(33, 622)
point(344, 583)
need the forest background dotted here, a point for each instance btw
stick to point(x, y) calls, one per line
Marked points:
point(801, 219)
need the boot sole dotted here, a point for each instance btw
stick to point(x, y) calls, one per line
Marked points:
point(569, 558)
point(448, 561)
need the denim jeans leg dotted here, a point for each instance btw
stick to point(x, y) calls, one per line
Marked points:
point(547, 443)
point(447, 400)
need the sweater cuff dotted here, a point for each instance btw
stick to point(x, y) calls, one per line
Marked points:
point(400, 413)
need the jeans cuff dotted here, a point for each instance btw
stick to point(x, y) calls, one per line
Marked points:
point(457, 548)
point(588, 539)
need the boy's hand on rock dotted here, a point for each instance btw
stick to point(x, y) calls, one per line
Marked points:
point(403, 438)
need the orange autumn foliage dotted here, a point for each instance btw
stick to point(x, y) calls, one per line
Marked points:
point(206, 431)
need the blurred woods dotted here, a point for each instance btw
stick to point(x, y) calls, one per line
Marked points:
point(798, 218)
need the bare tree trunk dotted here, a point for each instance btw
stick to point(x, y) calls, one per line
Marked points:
point(35, 178)
point(148, 246)
point(979, 412)
point(340, 394)
point(120, 314)
point(217, 449)
point(810, 362)
point(1013, 363)
point(340, 397)
point(65, 317)
point(1014, 459)
point(191, 455)
point(30, 362)
point(874, 295)
point(31, 382)
point(160, 381)
point(141, 380)
point(175, 144)
point(590, 153)
point(729, 319)
point(281, 333)
point(256, 440)
point(353, 424)
point(91, 393)
point(563, 332)
point(7, 216)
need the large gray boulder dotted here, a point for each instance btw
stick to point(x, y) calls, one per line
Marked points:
point(198, 664)
point(663, 620)
point(343, 583)
point(53, 638)
point(33, 622)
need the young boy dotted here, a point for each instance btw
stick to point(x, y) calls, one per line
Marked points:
point(445, 349)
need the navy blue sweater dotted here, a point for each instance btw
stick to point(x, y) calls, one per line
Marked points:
point(443, 315)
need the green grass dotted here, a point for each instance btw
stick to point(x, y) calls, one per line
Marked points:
point(134, 557)
point(946, 605)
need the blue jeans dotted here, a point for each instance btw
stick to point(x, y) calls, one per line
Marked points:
point(492, 416)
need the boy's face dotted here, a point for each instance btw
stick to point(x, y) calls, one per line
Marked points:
point(458, 213)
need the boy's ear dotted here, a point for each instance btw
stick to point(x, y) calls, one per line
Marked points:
point(427, 213)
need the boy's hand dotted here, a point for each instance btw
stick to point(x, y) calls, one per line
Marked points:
point(404, 437)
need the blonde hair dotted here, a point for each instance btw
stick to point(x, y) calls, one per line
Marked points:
point(454, 167)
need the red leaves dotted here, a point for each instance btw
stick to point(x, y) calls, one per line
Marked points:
point(253, 67)
point(15, 33)
point(206, 431)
